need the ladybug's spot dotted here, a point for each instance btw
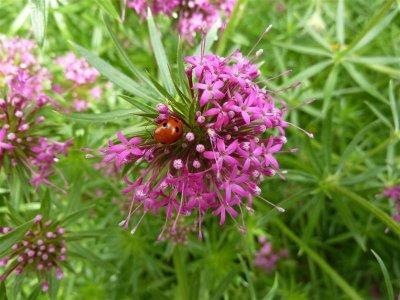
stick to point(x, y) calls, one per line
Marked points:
point(177, 129)
point(165, 124)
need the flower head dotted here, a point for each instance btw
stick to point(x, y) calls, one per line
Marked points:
point(41, 250)
point(267, 257)
point(80, 82)
point(219, 162)
point(193, 16)
point(22, 113)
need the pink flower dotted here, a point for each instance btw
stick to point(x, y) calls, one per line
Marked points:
point(393, 193)
point(37, 253)
point(77, 69)
point(80, 105)
point(223, 155)
point(193, 16)
point(267, 258)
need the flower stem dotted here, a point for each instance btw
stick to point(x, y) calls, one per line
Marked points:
point(182, 292)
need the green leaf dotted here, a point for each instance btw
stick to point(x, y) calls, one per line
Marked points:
point(371, 30)
point(160, 55)
point(45, 205)
point(109, 8)
point(39, 19)
point(115, 75)
point(329, 88)
point(380, 60)
point(3, 291)
point(394, 108)
point(9, 239)
point(377, 112)
point(125, 58)
point(147, 109)
point(386, 276)
point(359, 78)
point(375, 30)
point(34, 294)
point(274, 289)
point(340, 20)
point(111, 116)
point(368, 206)
point(353, 144)
point(74, 216)
point(336, 278)
point(305, 49)
point(86, 254)
point(311, 71)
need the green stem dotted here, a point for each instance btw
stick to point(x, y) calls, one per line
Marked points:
point(182, 292)
point(367, 205)
point(337, 279)
point(233, 23)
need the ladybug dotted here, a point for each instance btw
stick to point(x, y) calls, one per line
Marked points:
point(169, 131)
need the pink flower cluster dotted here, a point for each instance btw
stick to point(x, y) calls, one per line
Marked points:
point(228, 147)
point(42, 250)
point(193, 15)
point(81, 81)
point(22, 113)
point(393, 193)
point(267, 258)
point(17, 59)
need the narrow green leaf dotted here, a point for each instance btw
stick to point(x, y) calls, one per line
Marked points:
point(340, 20)
point(311, 71)
point(368, 206)
point(380, 60)
point(353, 144)
point(386, 276)
point(329, 88)
point(20, 19)
point(34, 294)
point(9, 239)
point(86, 254)
point(115, 75)
point(39, 19)
point(359, 78)
point(274, 289)
point(375, 30)
point(45, 205)
point(305, 49)
point(377, 112)
point(73, 216)
point(124, 56)
point(336, 278)
point(3, 291)
point(371, 24)
point(145, 108)
point(237, 14)
point(394, 108)
point(159, 52)
point(109, 8)
point(112, 116)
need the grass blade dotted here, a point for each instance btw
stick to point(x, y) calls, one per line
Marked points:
point(368, 206)
point(112, 116)
point(394, 108)
point(359, 78)
point(125, 58)
point(159, 52)
point(389, 287)
point(115, 75)
point(39, 19)
point(340, 19)
point(336, 278)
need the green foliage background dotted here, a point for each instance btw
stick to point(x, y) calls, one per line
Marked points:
point(337, 227)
